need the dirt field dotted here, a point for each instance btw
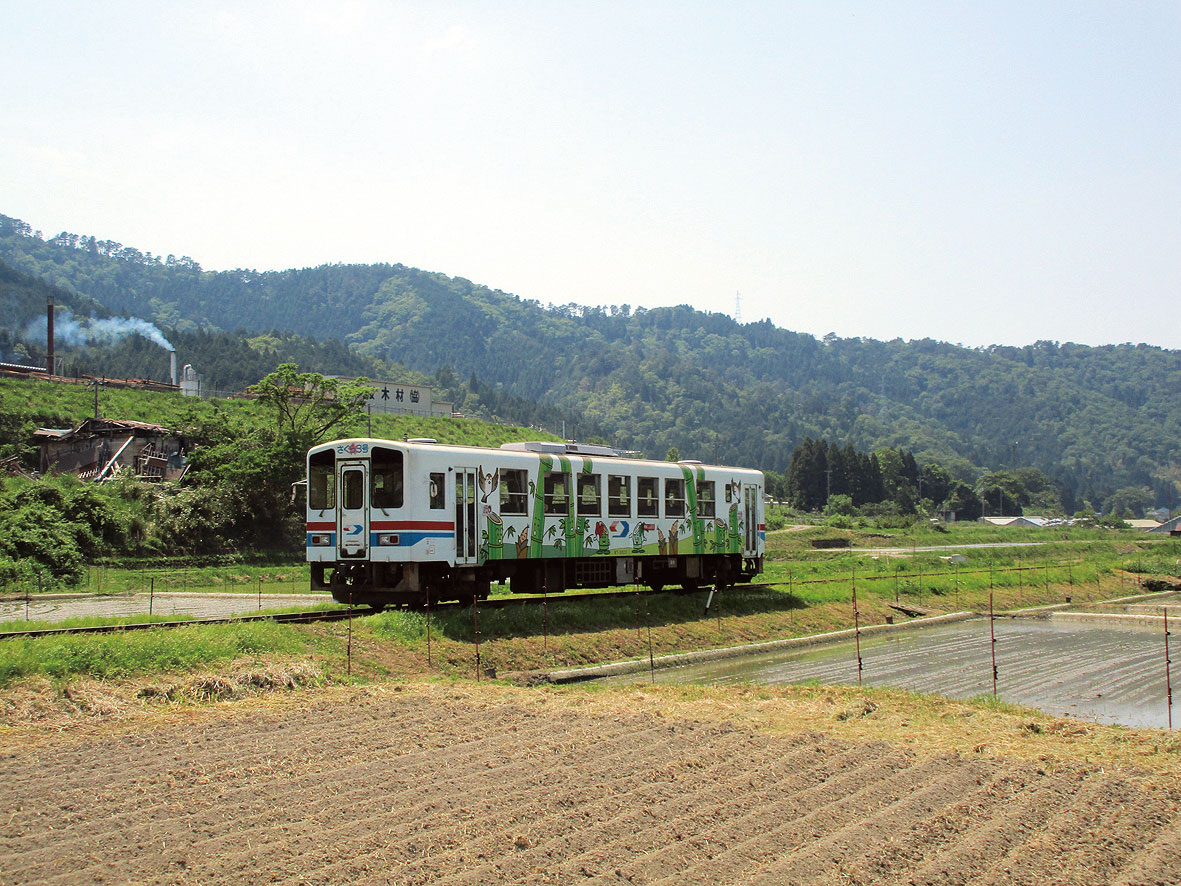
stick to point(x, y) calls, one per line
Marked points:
point(436, 783)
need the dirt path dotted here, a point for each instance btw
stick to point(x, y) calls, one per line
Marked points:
point(450, 784)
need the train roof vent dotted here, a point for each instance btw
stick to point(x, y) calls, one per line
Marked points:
point(535, 446)
point(592, 449)
point(690, 461)
point(422, 440)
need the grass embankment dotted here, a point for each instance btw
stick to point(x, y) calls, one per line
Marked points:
point(811, 592)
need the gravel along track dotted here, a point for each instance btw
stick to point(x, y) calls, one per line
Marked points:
point(439, 785)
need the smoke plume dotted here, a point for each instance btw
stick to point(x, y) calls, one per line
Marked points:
point(74, 331)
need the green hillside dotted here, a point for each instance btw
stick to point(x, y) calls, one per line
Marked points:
point(1095, 419)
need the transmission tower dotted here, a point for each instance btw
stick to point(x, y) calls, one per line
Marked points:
point(738, 307)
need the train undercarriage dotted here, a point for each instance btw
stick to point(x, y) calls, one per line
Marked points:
point(379, 585)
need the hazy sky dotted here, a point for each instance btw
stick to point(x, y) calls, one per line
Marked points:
point(973, 172)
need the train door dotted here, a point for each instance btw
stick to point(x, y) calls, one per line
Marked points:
point(466, 529)
point(750, 509)
point(352, 530)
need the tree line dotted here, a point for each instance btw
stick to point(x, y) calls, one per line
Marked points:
point(1095, 420)
point(825, 477)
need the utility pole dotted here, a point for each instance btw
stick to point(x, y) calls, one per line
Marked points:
point(96, 384)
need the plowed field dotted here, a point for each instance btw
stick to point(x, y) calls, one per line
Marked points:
point(436, 784)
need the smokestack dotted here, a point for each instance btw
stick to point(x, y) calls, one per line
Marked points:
point(49, 341)
point(172, 365)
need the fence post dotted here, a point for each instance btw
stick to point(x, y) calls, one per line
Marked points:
point(260, 592)
point(476, 627)
point(350, 643)
point(152, 595)
point(651, 657)
point(992, 636)
point(1168, 677)
point(429, 662)
point(856, 624)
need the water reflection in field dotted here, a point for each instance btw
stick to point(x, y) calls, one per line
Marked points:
point(1102, 673)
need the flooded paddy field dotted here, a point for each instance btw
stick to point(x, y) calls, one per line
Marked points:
point(1095, 671)
point(59, 607)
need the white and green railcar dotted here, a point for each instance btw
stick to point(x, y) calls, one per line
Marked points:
point(402, 522)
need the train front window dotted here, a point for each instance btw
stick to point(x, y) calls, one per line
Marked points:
point(386, 477)
point(353, 490)
point(322, 481)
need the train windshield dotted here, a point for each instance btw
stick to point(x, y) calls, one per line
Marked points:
point(322, 481)
point(386, 477)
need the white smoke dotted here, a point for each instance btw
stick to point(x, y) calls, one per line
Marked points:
point(93, 330)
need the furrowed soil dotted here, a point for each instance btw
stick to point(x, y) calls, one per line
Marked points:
point(449, 783)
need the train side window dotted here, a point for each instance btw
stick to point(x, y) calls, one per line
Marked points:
point(619, 498)
point(386, 477)
point(435, 490)
point(513, 484)
point(589, 501)
point(674, 498)
point(557, 493)
point(353, 492)
point(647, 502)
point(322, 481)
point(705, 498)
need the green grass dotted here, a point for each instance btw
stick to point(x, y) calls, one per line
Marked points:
point(115, 656)
point(15, 625)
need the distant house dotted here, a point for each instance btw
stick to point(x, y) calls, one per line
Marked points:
point(101, 447)
point(1144, 525)
point(998, 521)
point(1030, 522)
point(1035, 522)
point(1172, 527)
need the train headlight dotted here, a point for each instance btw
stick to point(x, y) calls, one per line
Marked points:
point(388, 538)
point(317, 539)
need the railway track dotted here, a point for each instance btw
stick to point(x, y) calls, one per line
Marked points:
point(318, 615)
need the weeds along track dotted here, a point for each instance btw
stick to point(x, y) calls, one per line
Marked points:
point(447, 785)
point(314, 615)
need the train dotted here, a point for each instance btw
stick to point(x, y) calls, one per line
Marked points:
point(407, 522)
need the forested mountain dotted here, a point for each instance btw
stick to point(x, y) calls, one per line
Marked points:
point(1093, 418)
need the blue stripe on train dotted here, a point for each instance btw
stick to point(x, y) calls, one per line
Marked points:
point(409, 539)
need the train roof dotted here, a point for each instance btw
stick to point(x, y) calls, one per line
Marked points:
point(529, 447)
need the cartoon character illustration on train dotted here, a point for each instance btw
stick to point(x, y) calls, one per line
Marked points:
point(402, 522)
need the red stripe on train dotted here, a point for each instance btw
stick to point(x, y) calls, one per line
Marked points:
point(444, 525)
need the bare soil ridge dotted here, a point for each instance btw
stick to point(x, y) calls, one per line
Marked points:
point(431, 783)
